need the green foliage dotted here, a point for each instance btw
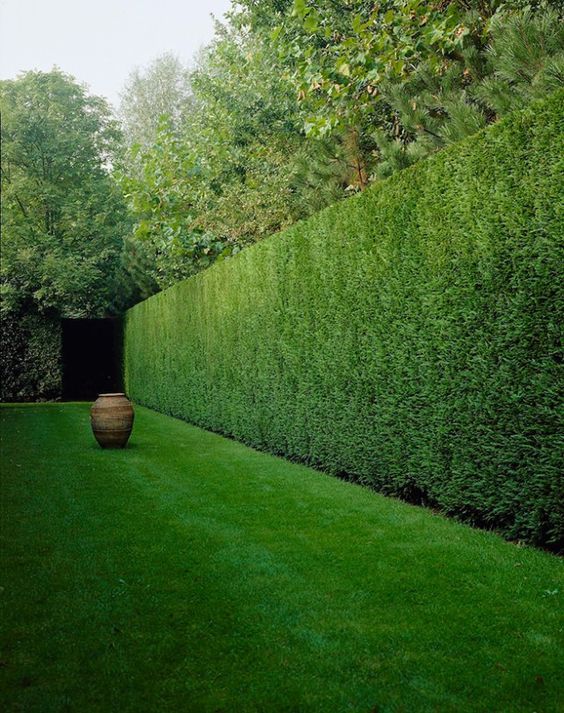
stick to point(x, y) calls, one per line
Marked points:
point(30, 358)
point(161, 197)
point(522, 61)
point(220, 180)
point(63, 218)
point(63, 225)
point(341, 51)
point(162, 89)
point(298, 104)
point(338, 54)
point(408, 337)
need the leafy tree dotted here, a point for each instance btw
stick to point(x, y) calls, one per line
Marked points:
point(162, 196)
point(161, 90)
point(63, 218)
point(221, 179)
point(338, 53)
point(239, 167)
point(353, 63)
point(243, 131)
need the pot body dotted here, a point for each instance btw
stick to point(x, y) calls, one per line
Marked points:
point(111, 417)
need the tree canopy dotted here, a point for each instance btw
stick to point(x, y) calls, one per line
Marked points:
point(63, 217)
point(294, 105)
point(160, 90)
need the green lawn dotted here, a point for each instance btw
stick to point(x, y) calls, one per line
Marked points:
point(190, 573)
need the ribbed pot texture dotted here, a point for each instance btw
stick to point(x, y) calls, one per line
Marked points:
point(111, 417)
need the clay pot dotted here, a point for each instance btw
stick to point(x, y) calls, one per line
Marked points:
point(111, 417)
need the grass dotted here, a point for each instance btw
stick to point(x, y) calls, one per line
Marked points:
point(191, 573)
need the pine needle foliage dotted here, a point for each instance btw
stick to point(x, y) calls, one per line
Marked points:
point(520, 60)
point(408, 337)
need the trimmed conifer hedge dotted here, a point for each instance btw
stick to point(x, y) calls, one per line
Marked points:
point(407, 337)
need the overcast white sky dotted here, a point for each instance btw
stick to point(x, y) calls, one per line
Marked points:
point(101, 41)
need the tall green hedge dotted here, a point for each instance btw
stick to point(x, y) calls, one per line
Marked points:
point(408, 337)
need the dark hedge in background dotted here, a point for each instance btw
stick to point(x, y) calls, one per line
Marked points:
point(408, 337)
point(30, 358)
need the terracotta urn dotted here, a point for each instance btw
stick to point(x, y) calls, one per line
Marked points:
point(111, 417)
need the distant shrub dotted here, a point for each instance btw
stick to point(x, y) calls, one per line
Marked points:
point(30, 358)
point(408, 337)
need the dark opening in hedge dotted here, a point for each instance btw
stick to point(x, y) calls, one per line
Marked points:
point(91, 357)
